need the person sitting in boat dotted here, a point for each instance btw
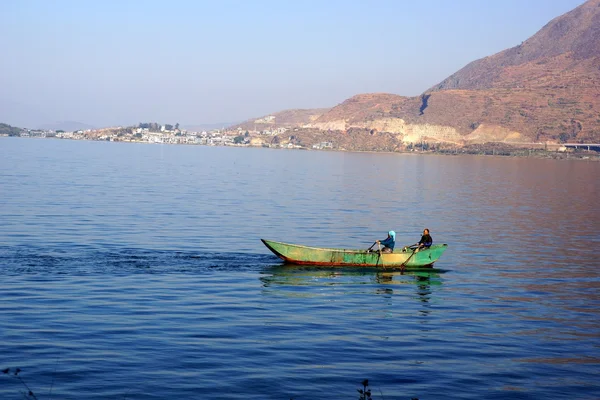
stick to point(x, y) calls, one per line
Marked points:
point(425, 242)
point(388, 243)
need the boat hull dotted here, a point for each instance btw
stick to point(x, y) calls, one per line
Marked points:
point(305, 255)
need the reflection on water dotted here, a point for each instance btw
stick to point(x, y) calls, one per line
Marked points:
point(284, 280)
point(301, 275)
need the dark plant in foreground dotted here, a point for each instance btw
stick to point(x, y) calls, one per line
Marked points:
point(15, 374)
point(365, 392)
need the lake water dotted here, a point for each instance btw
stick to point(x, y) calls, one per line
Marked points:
point(135, 271)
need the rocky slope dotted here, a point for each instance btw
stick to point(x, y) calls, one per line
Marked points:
point(547, 89)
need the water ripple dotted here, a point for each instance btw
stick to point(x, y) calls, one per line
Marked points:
point(133, 271)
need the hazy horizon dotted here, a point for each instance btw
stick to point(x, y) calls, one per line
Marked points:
point(199, 63)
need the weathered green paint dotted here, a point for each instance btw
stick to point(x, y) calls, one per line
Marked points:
point(297, 254)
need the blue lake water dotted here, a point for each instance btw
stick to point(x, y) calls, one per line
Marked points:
point(136, 271)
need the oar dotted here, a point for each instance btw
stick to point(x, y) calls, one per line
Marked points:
point(380, 255)
point(374, 243)
point(408, 259)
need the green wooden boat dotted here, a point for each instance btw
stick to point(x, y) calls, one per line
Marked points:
point(401, 258)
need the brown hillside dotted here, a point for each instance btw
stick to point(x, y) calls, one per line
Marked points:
point(545, 89)
point(364, 106)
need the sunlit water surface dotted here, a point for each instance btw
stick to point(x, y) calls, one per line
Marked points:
point(136, 271)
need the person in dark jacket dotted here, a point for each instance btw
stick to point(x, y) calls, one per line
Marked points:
point(426, 240)
point(388, 243)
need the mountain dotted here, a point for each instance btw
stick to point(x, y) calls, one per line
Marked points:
point(9, 130)
point(547, 89)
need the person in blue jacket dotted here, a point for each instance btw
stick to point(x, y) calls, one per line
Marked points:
point(388, 243)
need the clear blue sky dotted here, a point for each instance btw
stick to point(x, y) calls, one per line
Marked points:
point(192, 61)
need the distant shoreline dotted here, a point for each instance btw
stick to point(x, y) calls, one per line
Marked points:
point(516, 153)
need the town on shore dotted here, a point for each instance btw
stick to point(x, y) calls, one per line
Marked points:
point(294, 138)
point(167, 134)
